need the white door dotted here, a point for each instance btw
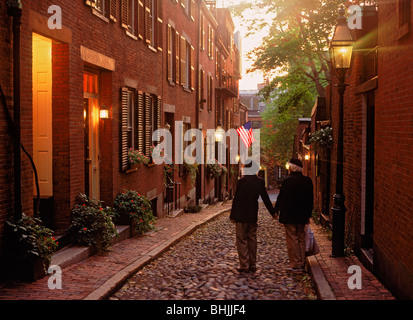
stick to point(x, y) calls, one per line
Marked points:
point(42, 114)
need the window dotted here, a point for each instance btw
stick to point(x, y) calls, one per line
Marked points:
point(189, 7)
point(186, 66)
point(201, 33)
point(210, 92)
point(104, 8)
point(127, 15)
point(210, 42)
point(173, 55)
point(140, 117)
point(201, 88)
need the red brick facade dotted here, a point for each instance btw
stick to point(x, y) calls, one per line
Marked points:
point(116, 45)
point(377, 131)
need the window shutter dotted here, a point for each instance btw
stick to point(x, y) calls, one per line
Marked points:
point(125, 141)
point(177, 57)
point(158, 118)
point(113, 10)
point(192, 68)
point(141, 19)
point(169, 54)
point(159, 31)
point(141, 121)
point(202, 33)
point(182, 70)
point(148, 21)
point(125, 13)
point(212, 43)
point(148, 124)
point(182, 3)
point(193, 10)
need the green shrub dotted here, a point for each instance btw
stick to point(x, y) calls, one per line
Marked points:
point(137, 207)
point(91, 224)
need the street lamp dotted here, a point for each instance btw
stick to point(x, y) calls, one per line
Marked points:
point(341, 52)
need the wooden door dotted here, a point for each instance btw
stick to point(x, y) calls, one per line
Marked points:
point(42, 114)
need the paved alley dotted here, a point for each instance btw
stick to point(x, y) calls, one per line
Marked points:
point(203, 266)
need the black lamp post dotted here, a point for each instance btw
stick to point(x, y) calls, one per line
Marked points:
point(341, 50)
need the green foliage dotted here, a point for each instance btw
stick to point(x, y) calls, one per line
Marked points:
point(31, 239)
point(292, 100)
point(91, 223)
point(136, 207)
point(322, 138)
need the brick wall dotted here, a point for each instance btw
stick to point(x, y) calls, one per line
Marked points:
point(393, 217)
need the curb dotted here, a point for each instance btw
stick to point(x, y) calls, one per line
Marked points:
point(118, 280)
point(324, 290)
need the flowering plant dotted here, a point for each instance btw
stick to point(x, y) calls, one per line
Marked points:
point(32, 239)
point(136, 207)
point(322, 137)
point(137, 157)
point(215, 169)
point(91, 223)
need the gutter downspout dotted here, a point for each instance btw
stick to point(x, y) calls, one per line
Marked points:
point(15, 10)
point(198, 177)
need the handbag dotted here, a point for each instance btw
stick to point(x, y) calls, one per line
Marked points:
point(311, 246)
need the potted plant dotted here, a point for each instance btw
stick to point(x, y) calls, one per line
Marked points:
point(136, 158)
point(134, 209)
point(92, 224)
point(214, 169)
point(321, 138)
point(31, 248)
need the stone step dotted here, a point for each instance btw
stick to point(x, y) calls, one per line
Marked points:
point(72, 254)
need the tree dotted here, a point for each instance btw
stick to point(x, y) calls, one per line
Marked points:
point(297, 39)
point(295, 52)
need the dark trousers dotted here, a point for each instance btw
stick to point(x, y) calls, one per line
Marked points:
point(246, 240)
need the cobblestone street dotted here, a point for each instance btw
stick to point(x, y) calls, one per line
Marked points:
point(203, 266)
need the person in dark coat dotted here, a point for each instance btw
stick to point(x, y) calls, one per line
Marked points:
point(294, 205)
point(244, 213)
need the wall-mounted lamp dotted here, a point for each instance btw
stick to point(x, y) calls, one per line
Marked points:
point(104, 113)
point(237, 158)
point(167, 126)
point(219, 133)
point(287, 166)
point(307, 157)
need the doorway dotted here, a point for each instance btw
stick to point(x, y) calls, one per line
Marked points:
point(368, 172)
point(91, 135)
point(42, 114)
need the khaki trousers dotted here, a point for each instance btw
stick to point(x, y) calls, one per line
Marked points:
point(246, 241)
point(295, 237)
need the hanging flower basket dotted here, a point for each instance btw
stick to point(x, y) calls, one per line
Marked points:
point(321, 138)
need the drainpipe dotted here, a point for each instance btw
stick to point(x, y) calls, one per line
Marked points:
point(198, 177)
point(15, 10)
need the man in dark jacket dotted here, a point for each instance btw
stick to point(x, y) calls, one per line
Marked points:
point(294, 205)
point(244, 214)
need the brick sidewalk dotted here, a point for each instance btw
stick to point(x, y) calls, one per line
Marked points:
point(335, 273)
point(97, 276)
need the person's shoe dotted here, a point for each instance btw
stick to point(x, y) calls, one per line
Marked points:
point(242, 270)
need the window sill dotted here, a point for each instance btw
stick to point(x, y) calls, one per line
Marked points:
point(129, 34)
point(98, 14)
point(172, 83)
point(152, 48)
point(187, 90)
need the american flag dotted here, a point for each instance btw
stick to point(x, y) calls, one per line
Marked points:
point(245, 132)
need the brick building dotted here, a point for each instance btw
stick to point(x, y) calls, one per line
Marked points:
point(377, 131)
point(114, 72)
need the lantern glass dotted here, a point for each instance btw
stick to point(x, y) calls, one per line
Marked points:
point(341, 56)
point(104, 114)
